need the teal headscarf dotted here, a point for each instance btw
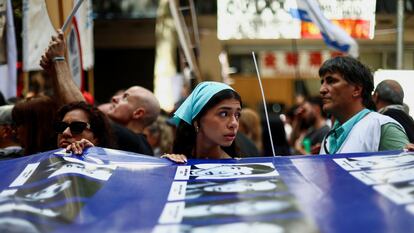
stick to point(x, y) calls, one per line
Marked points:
point(196, 101)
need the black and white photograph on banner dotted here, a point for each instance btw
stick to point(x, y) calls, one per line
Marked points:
point(62, 189)
point(57, 166)
point(47, 203)
point(285, 225)
point(51, 192)
point(385, 176)
point(225, 171)
point(193, 190)
point(43, 218)
point(239, 208)
point(375, 162)
point(400, 193)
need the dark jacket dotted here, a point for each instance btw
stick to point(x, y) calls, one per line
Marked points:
point(404, 119)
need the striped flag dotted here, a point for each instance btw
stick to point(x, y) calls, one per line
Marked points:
point(333, 35)
point(8, 72)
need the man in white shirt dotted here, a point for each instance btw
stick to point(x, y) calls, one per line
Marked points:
point(346, 87)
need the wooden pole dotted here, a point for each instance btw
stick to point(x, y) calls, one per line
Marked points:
point(26, 83)
point(91, 82)
point(184, 40)
point(400, 34)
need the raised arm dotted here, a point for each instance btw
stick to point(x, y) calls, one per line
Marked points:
point(54, 62)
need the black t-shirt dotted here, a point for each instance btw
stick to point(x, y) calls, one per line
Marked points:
point(127, 140)
point(404, 119)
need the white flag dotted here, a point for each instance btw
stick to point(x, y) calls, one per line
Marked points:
point(84, 18)
point(333, 35)
point(38, 29)
point(8, 72)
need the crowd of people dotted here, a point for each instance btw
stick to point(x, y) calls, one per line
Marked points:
point(349, 115)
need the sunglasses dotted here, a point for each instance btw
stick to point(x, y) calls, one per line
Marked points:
point(76, 127)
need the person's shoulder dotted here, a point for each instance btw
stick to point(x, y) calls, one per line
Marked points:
point(393, 137)
point(122, 131)
point(393, 110)
point(117, 128)
point(393, 130)
point(398, 115)
point(127, 140)
point(377, 118)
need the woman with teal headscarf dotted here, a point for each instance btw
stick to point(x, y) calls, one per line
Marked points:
point(207, 123)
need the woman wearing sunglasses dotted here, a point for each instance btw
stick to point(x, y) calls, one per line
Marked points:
point(81, 125)
point(207, 124)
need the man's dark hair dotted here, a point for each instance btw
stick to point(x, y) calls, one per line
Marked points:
point(354, 72)
point(390, 91)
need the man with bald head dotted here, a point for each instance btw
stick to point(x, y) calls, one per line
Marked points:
point(388, 98)
point(130, 112)
point(135, 109)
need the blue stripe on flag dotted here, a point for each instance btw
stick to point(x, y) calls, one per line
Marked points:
point(335, 44)
point(300, 14)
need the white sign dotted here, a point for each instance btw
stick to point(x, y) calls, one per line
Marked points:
point(253, 19)
point(248, 19)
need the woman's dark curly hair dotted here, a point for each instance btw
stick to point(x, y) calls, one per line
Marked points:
point(185, 136)
point(98, 121)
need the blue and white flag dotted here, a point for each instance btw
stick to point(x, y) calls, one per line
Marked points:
point(333, 35)
point(8, 72)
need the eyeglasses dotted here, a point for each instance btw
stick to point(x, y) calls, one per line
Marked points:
point(76, 127)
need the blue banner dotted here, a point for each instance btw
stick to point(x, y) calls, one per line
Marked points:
point(109, 190)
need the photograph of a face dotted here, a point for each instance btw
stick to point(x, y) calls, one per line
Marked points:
point(181, 190)
point(215, 171)
point(243, 208)
point(386, 176)
point(237, 207)
point(399, 193)
point(375, 162)
point(50, 192)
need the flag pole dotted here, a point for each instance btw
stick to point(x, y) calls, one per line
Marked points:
point(400, 34)
point(264, 104)
point(69, 18)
